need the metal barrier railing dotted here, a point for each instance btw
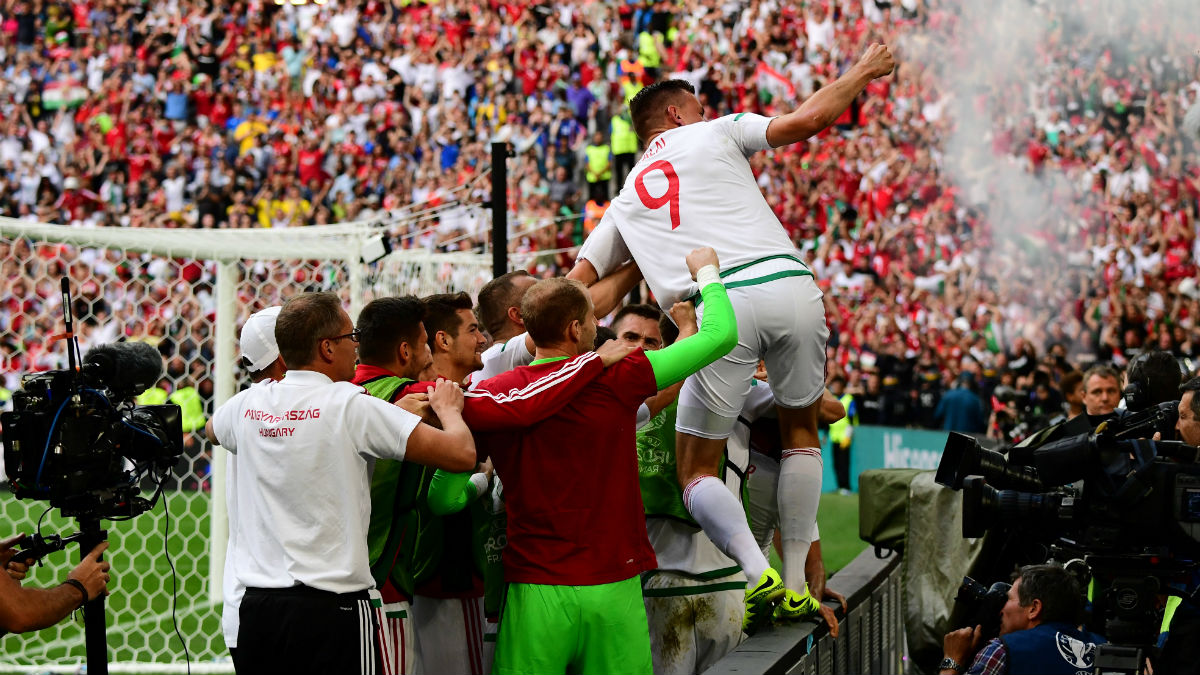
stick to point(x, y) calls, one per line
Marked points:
point(871, 636)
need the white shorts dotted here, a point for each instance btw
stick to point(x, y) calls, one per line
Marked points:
point(396, 641)
point(689, 633)
point(449, 635)
point(491, 628)
point(781, 322)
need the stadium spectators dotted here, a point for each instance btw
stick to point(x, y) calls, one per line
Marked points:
point(183, 114)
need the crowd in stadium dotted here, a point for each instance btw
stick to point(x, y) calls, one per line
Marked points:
point(183, 114)
point(979, 277)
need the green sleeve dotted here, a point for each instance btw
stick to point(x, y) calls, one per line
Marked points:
point(450, 492)
point(717, 337)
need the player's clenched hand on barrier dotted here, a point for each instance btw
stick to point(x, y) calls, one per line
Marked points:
point(700, 258)
point(445, 396)
point(830, 620)
point(612, 351)
point(877, 60)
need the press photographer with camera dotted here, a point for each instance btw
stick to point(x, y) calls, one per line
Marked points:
point(1039, 633)
point(1119, 505)
point(28, 609)
point(1181, 650)
point(1100, 394)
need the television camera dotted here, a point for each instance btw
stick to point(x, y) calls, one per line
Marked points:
point(76, 438)
point(1119, 510)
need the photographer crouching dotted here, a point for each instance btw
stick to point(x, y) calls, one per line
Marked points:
point(29, 609)
point(1039, 633)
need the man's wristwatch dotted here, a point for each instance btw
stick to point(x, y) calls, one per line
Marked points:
point(950, 664)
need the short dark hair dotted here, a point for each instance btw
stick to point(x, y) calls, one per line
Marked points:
point(645, 311)
point(303, 322)
point(386, 322)
point(1058, 590)
point(603, 334)
point(551, 305)
point(441, 313)
point(1070, 381)
point(496, 297)
point(1192, 385)
point(1158, 373)
point(1107, 372)
point(653, 99)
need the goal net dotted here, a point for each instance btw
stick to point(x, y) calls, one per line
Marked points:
point(187, 292)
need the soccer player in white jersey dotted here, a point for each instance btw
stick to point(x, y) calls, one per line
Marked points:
point(693, 186)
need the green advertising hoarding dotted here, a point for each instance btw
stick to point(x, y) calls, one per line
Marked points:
point(886, 448)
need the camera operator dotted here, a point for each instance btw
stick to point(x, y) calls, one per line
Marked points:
point(1152, 376)
point(29, 609)
point(1181, 651)
point(1101, 393)
point(1188, 426)
point(1039, 633)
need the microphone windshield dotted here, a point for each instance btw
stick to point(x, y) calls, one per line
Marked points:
point(127, 368)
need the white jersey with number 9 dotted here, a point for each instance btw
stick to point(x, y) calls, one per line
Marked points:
point(692, 187)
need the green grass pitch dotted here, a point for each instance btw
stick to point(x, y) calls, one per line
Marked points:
point(139, 605)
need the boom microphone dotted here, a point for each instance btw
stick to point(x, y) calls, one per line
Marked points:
point(128, 368)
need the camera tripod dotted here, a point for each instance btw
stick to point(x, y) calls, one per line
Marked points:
point(95, 632)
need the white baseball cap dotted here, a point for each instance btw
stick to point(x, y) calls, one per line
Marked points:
point(259, 348)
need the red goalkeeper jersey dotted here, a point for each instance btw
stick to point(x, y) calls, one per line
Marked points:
point(571, 481)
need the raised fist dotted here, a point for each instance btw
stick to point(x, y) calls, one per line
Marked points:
point(877, 60)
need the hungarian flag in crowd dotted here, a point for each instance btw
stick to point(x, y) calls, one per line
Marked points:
point(64, 93)
point(992, 334)
point(775, 82)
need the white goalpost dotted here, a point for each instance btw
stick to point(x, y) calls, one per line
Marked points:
point(187, 291)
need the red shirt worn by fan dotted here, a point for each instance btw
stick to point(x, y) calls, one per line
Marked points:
point(571, 481)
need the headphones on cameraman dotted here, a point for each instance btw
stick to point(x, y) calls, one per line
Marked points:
point(1157, 373)
point(1137, 395)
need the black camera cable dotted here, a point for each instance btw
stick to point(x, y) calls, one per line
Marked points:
point(174, 577)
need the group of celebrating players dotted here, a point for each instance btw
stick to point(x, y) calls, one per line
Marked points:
point(554, 503)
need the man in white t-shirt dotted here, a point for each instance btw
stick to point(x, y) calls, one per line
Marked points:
point(694, 187)
point(305, 448)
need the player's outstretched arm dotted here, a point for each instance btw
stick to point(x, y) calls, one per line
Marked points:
point(518, 408)
point(608, 292)
point(718, 332)
point(822, 108)
point(451, 492)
